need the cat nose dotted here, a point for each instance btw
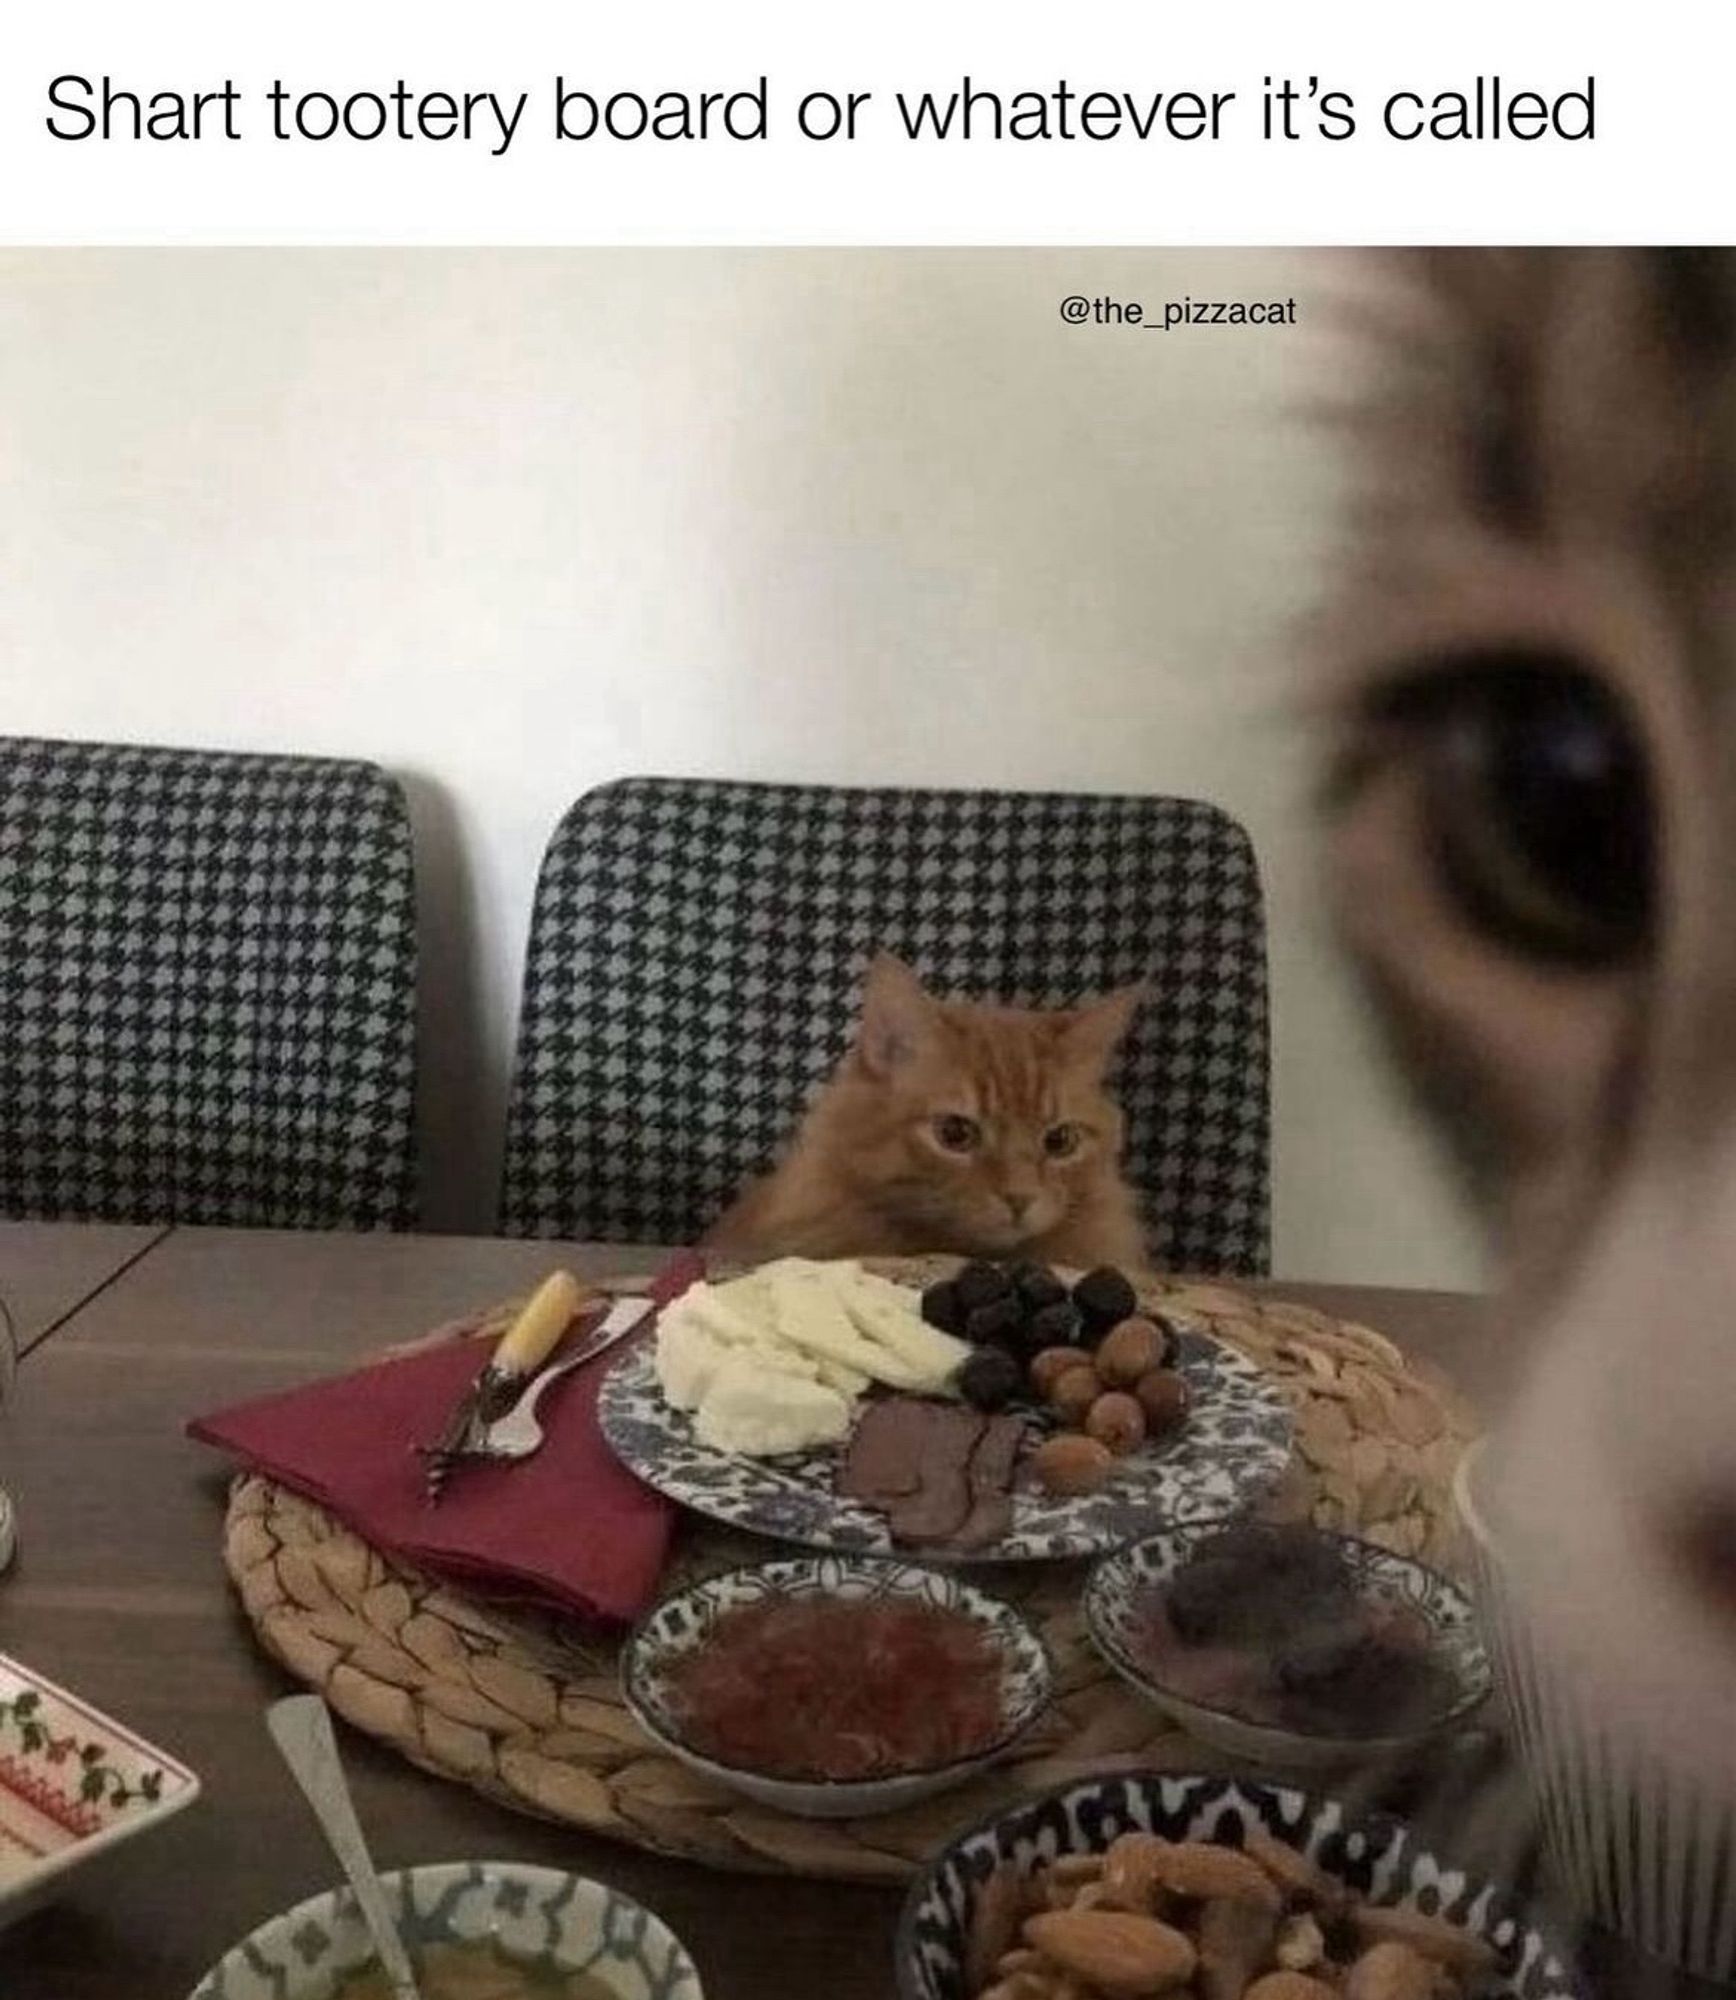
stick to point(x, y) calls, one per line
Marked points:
point(1017, 1204)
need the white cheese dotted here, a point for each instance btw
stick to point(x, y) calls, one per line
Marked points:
point(762, 1413)
point(779, 1358)
point(687, 1360)
point(892, 1316)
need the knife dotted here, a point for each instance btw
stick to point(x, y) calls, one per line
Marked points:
point(551, 1309)
point(518, 1433)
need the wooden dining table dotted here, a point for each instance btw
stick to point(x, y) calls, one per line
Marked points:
point(120, 1594)
point(49, 1269)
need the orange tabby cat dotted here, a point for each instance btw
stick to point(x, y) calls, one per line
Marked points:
point(980, 1130)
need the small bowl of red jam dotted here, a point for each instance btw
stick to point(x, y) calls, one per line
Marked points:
point(835, 1686)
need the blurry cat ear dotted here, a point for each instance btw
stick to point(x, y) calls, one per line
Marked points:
point(899, 1016)
point(1094, 1032)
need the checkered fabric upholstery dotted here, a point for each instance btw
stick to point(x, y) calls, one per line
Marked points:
point(207, 985)
point(693, 973)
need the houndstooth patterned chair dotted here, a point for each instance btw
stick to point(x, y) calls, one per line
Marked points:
point(207, 986)
point(693, 965)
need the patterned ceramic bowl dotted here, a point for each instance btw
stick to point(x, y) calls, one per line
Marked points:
point(684, 1618)
point(1378, 1857)
point(1113, 1600)
point(540, 1912)
point(74, 1784)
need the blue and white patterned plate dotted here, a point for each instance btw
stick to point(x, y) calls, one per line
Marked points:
point(1234, 1444)
point(686, 1617)
point(1119, 1584)
point(581, 1926)
point(1380, 1858)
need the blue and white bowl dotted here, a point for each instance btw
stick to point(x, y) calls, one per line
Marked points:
point(1379, 1858)
point(685, 1619)
point(1117, 1586)
point(580, 1926)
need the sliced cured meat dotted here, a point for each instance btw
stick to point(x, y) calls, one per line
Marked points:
point(990, 1479)
point(941, 1473)
point(884, 1458)
point(937, 1510)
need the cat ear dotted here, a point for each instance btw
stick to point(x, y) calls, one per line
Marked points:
point(1094, 1032)
point(899, 1016)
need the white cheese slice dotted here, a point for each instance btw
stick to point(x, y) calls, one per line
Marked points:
point(812, 1316)
point(762, 1412)
point(688, 1358)
point(891, 1315)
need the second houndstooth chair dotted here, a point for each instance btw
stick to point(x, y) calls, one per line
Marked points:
point(694, 956)
point(207, 988)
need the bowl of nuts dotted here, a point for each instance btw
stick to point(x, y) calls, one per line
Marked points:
point(1143, 1886)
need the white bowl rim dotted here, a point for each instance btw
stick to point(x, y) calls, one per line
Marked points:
point(1472, 1467)
point(326, 1899)
point(674, 1740)
point(1274, 1736)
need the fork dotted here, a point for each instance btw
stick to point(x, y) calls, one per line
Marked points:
point(518, 1433)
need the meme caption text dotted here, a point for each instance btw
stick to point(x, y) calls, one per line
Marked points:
point(1480, 108)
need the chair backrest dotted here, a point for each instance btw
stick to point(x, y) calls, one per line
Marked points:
point(207, 988)
point(693, 965)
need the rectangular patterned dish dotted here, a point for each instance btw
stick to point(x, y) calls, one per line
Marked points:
point(73, 1785)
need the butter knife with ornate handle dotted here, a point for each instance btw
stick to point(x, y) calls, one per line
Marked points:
point(525, 1345)
point(519, 1432)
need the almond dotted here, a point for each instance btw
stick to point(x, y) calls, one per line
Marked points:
point(1289, 1986)
point(1130, 1872)
point(1076, 1868)
point(1235, 1940)
point(1122, 1956)
point(1293, 1872)
point(1199, 1868)
point(1446, 1943)
point(1020, 1959)
point(1390, 1971)
point(994, 1923)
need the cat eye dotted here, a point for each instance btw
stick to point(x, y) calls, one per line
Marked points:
point(1060, 1142)
point(1537, 802)
point(956, 1133)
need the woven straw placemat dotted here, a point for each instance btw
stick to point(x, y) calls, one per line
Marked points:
point(531, 1714)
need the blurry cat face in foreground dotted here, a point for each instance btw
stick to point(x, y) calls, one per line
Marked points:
point(1532, 828)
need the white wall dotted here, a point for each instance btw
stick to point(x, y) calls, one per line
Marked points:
point(513, 523)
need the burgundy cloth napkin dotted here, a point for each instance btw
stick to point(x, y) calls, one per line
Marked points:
point(569, 1527)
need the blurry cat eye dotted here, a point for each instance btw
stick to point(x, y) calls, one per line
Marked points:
point(957, 1134)
point(1060, 1142)
point(1537, 801)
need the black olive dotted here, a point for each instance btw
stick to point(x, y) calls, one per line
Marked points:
point(1037, 1285)
point(1056, 1325)
point(982, 1284)
point(1104, 1298)
point(998, 1324)
point(943, 1308)
point(990, 1379)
